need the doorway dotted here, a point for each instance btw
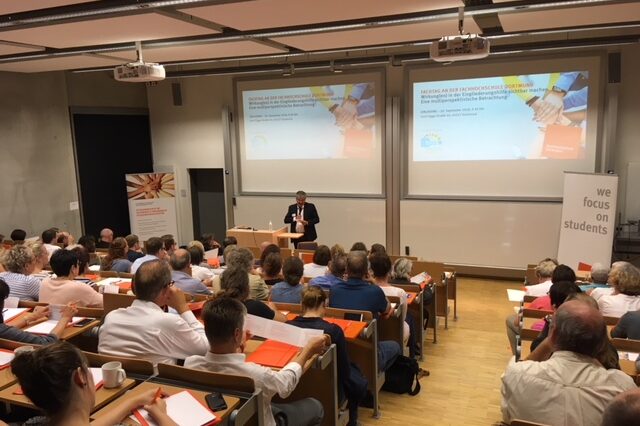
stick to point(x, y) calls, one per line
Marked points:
point(208, 202)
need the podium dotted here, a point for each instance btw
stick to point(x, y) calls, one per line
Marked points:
point(250, 238)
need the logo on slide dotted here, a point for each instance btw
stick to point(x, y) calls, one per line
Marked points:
point(258, 141)
point(431, 139)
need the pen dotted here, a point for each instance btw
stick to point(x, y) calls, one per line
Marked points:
point(158, 393)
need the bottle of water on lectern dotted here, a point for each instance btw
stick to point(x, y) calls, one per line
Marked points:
point(270, 226)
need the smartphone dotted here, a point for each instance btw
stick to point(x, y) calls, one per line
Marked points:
point(353, 317)
point(215, 401)
point(83, 322)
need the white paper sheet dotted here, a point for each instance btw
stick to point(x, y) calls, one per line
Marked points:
point(97, 376)
point(631, 356)
point(6, 357)
point(109, 281)
point(419, 279)
point(211, 254)
point(184, 409)
point(11, 302)
point(10, 313)
point(46, 327)
point(515, 295)
point(279, 331)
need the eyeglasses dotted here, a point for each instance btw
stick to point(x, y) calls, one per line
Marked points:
point(170, 284)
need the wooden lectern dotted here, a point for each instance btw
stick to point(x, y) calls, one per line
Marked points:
point(250, 238)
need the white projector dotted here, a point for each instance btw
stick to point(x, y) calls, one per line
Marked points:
point(139, 72)
point(459, 48)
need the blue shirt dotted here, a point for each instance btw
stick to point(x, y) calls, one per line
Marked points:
point(359, 295)
point(188, 284)
point(587, 287)
point(325, 282)
point(283, 292)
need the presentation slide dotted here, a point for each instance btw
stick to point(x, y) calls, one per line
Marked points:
point(333, 121)
point(311, 132)
point(515, 117)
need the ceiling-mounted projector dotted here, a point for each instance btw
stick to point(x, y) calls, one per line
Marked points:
point(459, 48)
point(139, 71)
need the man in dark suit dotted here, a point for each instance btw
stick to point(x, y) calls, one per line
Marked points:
point(303, 217)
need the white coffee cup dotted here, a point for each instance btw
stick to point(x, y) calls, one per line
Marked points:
point(112, 374)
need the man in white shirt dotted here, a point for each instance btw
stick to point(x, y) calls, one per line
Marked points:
point(144, 330)
point(571, 387)
point(224, 323)
point(155, 250)
point(48, 239)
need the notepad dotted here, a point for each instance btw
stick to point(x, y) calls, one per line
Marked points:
point(420, 278)
point(46, 327)
point(183, 408)
point(97, 377)
point(5, 358)
point(273, 354)
point(10, 313)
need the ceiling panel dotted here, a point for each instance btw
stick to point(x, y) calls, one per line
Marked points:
point(10, 49)
point(149, 26)
point(208, 51)
point(382, 35)
point(257, 14)
point(13, 6)
point(560, 18)
point(60, 63)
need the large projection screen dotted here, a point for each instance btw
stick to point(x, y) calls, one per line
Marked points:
point(505, 130)
point(322, 134)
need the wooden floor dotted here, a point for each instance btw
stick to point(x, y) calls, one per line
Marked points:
point(465, 364)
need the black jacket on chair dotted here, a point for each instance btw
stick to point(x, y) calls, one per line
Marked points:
point(310, 215)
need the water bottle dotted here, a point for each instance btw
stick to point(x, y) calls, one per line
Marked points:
point(270, 226)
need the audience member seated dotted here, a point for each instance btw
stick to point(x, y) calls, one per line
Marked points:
point(199, 272)
point(624, 409)
point(337, 269)
point(359, 246)
point(144, 330)
point(352, 384)
point(628, 327)
point(561, 273)
point(243, 258)
point(319, 266)
point(14, 332)
point(544, 272)
point(116, 259)
point(56, 378)
point(289, 290)
point(83, 265)
point(377, 248)
point(155, 251)
point(228, 241)
point(106, 238)
point(358, 294)
point(597, 293)
point(272, 269)
point(209, 242)
point(570, 388)
point(89, 242)
point(135, 251)
point(380, 265)
point(64, 288)
point(265, 251)
point(49, 240)
point(558, 293)
point(235, 284)
point(66, 239)
point(41, 259)
point(224, 324)
point(180, 262)
point(401, 274)
point(170, 244)
point(18, 236)
point(598, 278)
point(625, 279)
point(19, 263)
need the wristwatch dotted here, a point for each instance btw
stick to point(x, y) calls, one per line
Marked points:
point(558, 90)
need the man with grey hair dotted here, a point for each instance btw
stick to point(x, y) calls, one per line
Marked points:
point(106, 238)
point(337, 268)
point(544, 271)
point(180, 262)
point(240, 257)
point(624, 410)
point(598, 278)
point(303, 218)
point(571, 387)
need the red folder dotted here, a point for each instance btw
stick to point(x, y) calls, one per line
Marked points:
point(584, 267)
point(351, 329)
point(273, 354)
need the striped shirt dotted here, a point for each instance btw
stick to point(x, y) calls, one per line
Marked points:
point(24, 287)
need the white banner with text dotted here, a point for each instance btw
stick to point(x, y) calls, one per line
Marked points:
point(588, 219)
point(152, 204)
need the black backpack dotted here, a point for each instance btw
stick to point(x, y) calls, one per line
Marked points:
point(402, 374)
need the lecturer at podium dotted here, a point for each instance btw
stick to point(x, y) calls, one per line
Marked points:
point(303, 217)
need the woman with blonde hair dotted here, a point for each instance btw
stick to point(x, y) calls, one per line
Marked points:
point(19, 264)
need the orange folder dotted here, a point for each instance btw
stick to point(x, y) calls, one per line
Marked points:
point(562, 142)
point(411, 297)
point(351, 329)
point(214, 262)
point(273, 354)
point(584, 267)
point(196, 307)
point(125, 286)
